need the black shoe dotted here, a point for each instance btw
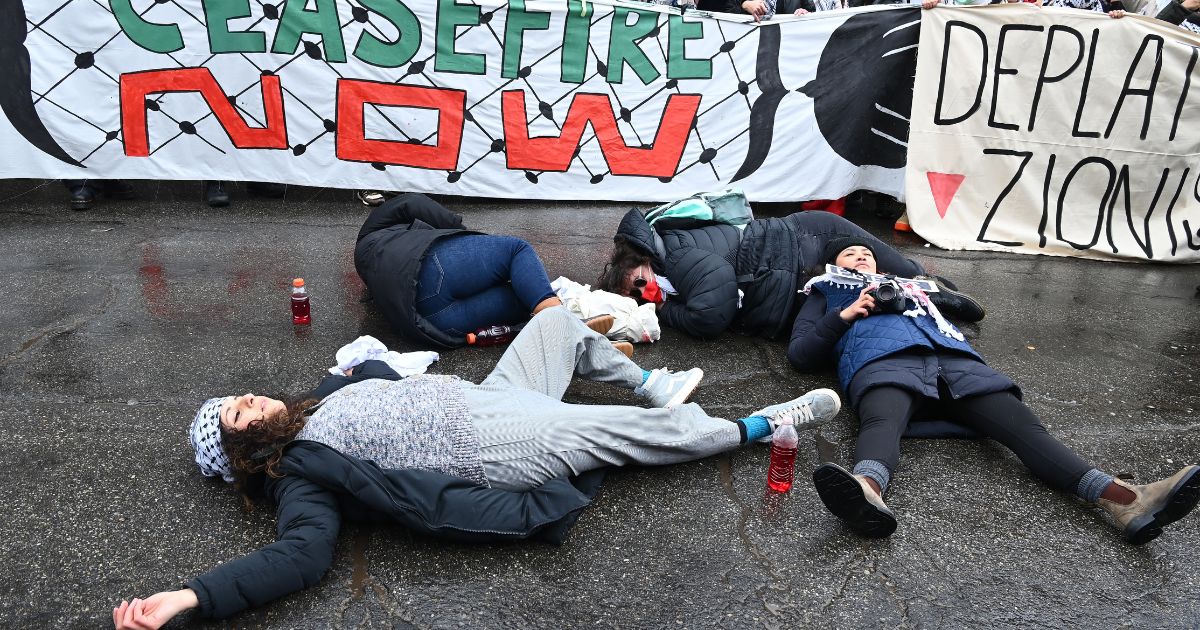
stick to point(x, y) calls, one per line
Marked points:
point(267, 189)
point(82, 197)
point(118, 189)
point(849, 498)
point(215, 194)
point(954, 303)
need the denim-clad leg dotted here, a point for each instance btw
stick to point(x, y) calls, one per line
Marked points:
point(470, 281)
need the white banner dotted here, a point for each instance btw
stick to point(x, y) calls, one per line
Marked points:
point(520, 99)
point(1058, 132)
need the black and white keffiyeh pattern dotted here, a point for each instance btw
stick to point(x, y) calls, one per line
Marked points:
point(206, 440)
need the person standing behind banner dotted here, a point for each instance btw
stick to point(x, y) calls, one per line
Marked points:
point(1182, 13)
point(216, 194)
point(85, 191)
point(766, 9)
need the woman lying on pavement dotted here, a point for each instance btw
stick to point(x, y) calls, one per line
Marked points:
point(708, 276)
point(502, 460)
point(436, 281)
point(894, 366)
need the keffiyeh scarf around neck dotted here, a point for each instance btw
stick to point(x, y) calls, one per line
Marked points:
point(922, 305)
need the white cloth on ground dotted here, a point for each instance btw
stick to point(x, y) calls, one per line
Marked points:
point(368, 348)
point(635, 324)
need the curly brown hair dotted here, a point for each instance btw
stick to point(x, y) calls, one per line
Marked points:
point(259, 447)
point(625, 257)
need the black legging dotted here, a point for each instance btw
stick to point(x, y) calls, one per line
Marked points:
point(884, 413)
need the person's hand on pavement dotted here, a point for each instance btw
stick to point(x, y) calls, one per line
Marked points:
point(800, 12)
point(154, 611)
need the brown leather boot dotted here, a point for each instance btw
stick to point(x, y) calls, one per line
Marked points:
point(624, 347)
point(850, 498)
point(600, 323)
point(546, 303)
point(1155, 505)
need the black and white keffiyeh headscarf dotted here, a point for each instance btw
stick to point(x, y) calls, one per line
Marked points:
point(206, 440)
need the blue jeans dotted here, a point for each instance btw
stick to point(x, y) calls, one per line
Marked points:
point(470, 281)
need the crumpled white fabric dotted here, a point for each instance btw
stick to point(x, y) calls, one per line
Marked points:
point(368, 348)
point(636, 324)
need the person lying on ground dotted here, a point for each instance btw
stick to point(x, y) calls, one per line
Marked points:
point(502, 460)
point(900, 359)
point(707, 277)
point(436, 281)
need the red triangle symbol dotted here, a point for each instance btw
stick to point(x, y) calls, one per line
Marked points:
point(943, 186)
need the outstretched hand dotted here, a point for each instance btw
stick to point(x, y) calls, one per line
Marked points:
point(860, 308)
point(154, 611)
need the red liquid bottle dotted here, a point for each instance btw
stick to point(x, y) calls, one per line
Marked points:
point(783, 457)
point(493, 335)
point(301, 315)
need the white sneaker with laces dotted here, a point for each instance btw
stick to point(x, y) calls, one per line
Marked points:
point(665, 388)
point(809, 410)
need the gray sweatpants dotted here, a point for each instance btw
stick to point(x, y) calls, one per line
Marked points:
point(528, 436)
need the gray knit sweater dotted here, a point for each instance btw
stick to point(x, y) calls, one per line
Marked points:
point(419, 422)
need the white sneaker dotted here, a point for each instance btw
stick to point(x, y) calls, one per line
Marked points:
point(809, 410)
point(668, 389)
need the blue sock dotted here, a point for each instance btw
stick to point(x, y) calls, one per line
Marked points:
point(645, 376)
point(1092, 485)
point(753, 427)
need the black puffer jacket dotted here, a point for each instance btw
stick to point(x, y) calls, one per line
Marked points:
point(320, 486)
point(391, 245)
point(708, 262)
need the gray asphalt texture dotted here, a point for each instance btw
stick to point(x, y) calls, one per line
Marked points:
point(117, 322)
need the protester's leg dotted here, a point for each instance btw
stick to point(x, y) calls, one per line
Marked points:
point(464, 285)
point(553, 347)
point(527, 438)
point(526, 272)
point(883, 415)
point(492, 306)
point(1004, 418)
point(82, 193)
point(855, 496)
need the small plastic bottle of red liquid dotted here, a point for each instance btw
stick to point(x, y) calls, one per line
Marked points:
point(301, 315)
point(783, 456)
point(493, 335)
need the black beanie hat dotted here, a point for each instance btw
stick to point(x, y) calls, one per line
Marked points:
point(835, 246)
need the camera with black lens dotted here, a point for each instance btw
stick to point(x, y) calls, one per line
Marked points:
point(889, 298)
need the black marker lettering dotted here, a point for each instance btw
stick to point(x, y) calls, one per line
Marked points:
point(1043, 78)
point(937, 112)
point(1026, 155)
point(1062, 195)
point(999, 70)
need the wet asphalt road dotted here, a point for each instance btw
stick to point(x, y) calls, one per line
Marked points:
point(117, 322)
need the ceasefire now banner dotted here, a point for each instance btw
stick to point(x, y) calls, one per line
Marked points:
point(1057, 132)
point(525, 99)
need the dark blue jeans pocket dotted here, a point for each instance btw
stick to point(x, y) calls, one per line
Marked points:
point(430, 279)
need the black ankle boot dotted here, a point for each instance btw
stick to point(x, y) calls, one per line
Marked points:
point(215, 194)
point(82, 197)
point(118, 189)
point(267, 189)
point(954, 304)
